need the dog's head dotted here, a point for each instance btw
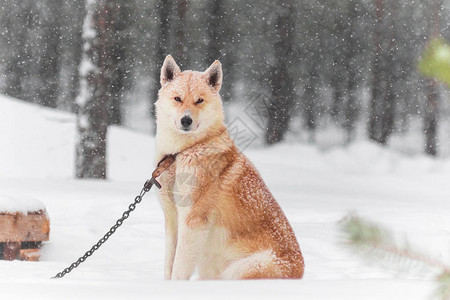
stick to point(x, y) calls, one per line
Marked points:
point(189, 101)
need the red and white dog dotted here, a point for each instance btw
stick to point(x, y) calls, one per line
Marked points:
point(225, 223)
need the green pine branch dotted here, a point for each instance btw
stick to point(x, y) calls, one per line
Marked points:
point(443, 281)
point(377, 244)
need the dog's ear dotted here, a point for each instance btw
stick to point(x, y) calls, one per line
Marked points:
point(213, 75)
point(169, 70)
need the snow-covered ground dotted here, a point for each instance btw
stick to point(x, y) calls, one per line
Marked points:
point(316, 189)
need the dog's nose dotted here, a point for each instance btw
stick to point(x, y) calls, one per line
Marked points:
point(186, 121)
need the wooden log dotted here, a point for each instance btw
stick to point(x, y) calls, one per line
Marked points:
point(17, 227)
point(11, 250)
point(29, 254)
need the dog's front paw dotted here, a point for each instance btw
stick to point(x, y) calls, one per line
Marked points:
point(180, 275)
point(167, 276)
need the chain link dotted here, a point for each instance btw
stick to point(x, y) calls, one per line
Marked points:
point(147, 186)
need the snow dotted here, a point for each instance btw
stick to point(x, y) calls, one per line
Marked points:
point(18, 203)
point(315, 188)
point(87, 67)
point(88, 31)
point(35, 142)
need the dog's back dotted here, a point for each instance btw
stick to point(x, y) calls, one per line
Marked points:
point(261, 230)
point(249, 235)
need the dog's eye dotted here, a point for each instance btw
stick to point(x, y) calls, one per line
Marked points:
point(178, 99)
point(200, 100)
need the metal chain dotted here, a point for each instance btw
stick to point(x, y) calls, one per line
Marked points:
point(147, 186)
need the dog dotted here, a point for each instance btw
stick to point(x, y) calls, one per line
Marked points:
point(220, 218)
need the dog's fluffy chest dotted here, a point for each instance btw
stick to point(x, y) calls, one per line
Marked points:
point(183, 188)
point(181, 182)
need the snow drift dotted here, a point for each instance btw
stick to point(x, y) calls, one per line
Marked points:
point(314, 188)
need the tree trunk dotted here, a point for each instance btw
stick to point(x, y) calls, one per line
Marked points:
point(219, 34)
point(93, 100)
point(310, 102)
point(117, 87)
point(352, 48)
point(389, 101)
point(163, 7)
point(16, 19)
point(215, 42)
point(431, 118)
point(181, 54)
point(374, 127)
point(282, 85)
point(352, 107)
point(338, 93)
point(390, 78)
point(338, 75)
point(432, 104)
point(119, 65)
point(71, 52)
point(388, 115)
point(49, 64)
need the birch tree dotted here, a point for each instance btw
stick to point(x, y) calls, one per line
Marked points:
point(93, 99)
